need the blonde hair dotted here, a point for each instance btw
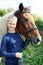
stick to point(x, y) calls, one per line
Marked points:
point(11, 18)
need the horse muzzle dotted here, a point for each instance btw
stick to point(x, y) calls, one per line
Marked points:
point(38, 40)
point(35, 41)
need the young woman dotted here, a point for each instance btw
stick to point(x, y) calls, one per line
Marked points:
point(12, 44)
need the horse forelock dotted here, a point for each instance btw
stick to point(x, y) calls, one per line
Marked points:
point(16, 13)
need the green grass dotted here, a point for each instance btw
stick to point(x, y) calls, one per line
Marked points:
point(33, 55)
point(39, 24)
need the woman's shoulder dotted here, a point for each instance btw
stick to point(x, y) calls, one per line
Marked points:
point(6, 36)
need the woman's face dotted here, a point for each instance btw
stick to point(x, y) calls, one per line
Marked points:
point(11, 24)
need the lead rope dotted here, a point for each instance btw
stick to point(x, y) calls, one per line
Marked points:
point(21, 36)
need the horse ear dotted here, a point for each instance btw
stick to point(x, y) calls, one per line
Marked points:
point(21, 7)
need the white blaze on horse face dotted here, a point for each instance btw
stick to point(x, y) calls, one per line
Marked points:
point(39, 39)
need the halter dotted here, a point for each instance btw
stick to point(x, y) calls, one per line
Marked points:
point(27, 31)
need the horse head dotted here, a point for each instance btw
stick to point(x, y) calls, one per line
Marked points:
point(26, 25)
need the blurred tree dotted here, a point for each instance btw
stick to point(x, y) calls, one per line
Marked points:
point(36, 18)
point(10, 9)
point(2, 12)
point(38, 21)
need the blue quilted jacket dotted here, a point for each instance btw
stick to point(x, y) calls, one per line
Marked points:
point(11, 44)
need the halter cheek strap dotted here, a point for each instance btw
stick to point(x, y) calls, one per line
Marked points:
point(27, 30)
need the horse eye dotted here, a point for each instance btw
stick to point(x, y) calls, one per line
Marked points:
point(26, 19)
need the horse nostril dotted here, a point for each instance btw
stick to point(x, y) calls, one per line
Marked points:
point(37, 40)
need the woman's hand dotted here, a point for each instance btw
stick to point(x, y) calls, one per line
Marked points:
point(18, 55)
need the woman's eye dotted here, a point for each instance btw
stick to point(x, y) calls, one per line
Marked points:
point(10, 23)
point(13, 24)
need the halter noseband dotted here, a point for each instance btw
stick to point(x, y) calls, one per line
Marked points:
point(27, 31)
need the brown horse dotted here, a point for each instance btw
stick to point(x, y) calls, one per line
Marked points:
point(26, 25)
